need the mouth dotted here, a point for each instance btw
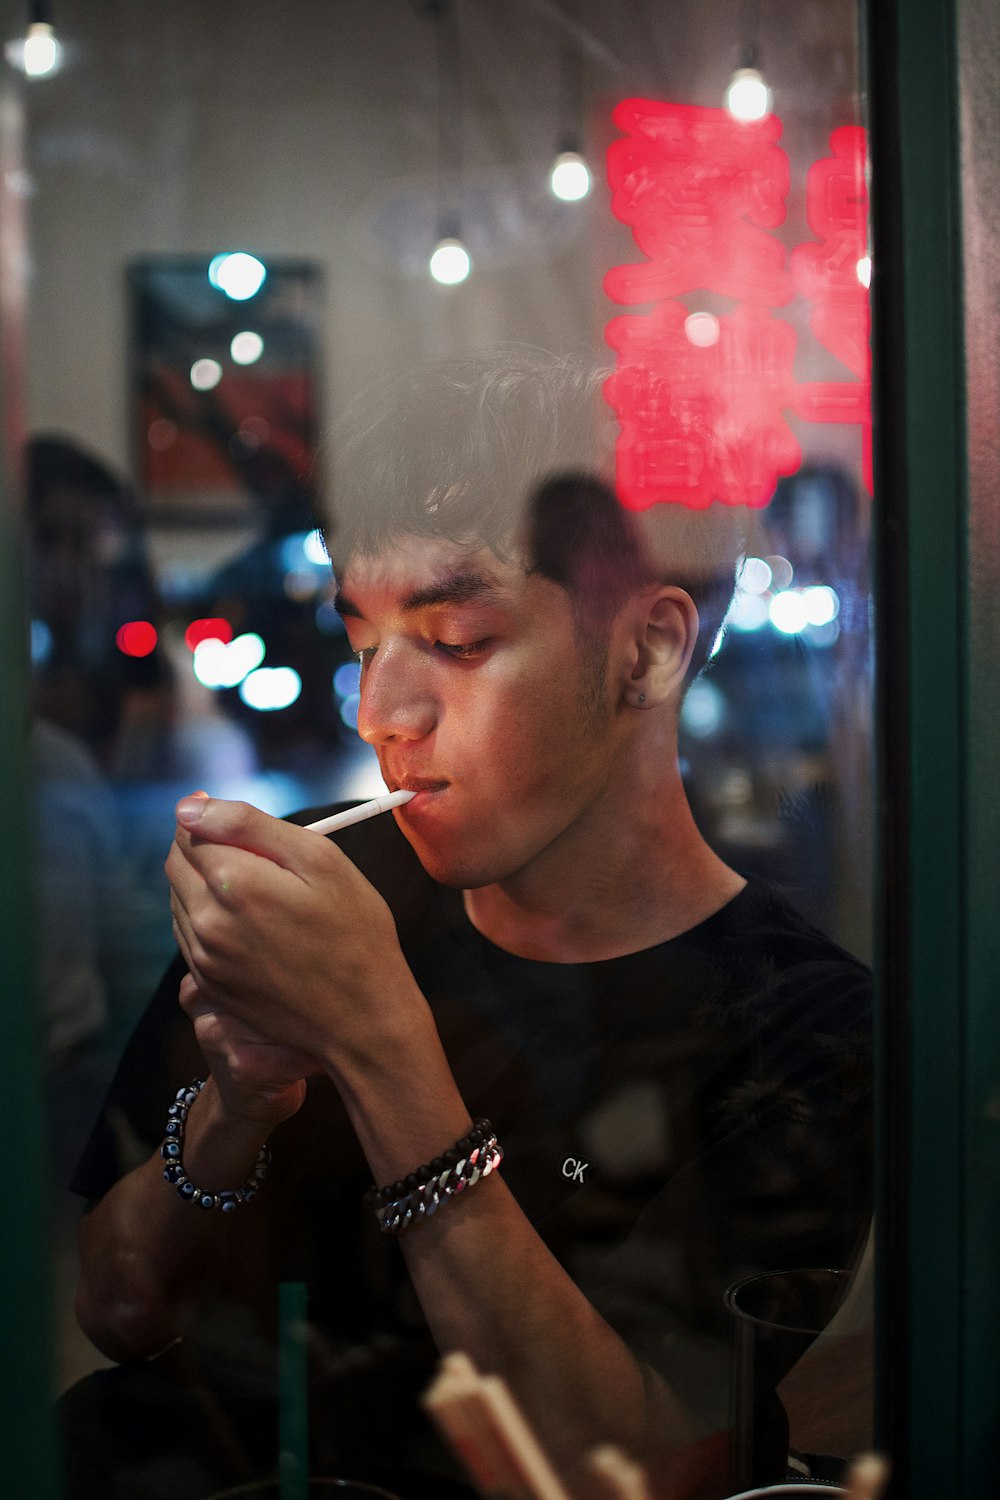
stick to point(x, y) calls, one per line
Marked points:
point(422, 787)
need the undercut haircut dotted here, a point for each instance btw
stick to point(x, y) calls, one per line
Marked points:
point(513, 450)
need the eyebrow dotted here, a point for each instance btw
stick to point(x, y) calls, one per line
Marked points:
point(454, 588)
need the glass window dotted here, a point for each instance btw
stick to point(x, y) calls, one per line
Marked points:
point(472, 401)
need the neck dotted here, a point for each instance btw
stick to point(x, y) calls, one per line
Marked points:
point(634, 871)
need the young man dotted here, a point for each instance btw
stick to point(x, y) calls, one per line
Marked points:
point(672, 1061)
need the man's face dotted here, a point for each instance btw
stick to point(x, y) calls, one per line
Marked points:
point(475, 693)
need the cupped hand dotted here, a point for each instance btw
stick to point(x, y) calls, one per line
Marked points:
point(256, 1079)
point(285, 937)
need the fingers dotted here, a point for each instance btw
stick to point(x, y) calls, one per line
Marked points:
point(211, 820)
point(195, 868)
point(182, 938)
point(191, 999)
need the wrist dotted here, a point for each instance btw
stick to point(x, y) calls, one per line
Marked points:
point(398, 1035)
point(220, 1146)
point(249, 1109)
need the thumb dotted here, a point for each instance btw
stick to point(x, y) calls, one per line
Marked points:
point(214, 820)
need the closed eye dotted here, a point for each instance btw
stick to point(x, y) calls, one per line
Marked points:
point(464, 652)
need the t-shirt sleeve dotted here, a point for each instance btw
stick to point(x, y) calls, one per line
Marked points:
point(161, 1055)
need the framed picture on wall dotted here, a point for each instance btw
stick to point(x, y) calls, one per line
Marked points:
point(224, 385)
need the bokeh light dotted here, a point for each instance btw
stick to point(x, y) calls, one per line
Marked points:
point(41, 642)
point(450, 263)
point(702, 329)
point(136, 638)
point(347, 679)
point(754, 576)
point(314, 548)
point(301, 584)
point(161, 434)
point(748, 97)
point(747, 612)
point(205, 374)
point(570, 177)
point(221, 665)
point(821, 604)
point(782, 571)
point(271, 688)
point(38, 53)
point(823, 635)
point(239, 275)
point(247, 347)
point(211, 628)
point(788, 612)
point(328, 618)
point(704, 709)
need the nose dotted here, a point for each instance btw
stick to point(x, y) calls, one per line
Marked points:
point(396, 700)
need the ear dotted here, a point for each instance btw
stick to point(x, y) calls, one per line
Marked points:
point(662, 631)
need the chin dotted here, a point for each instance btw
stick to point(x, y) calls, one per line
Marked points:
point(460, 868)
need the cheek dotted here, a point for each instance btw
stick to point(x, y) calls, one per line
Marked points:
point(536, 741)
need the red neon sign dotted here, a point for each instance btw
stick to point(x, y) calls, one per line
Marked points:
point(703, 414)
point(830, 273)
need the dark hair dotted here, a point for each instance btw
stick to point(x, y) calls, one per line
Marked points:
point(515, 446)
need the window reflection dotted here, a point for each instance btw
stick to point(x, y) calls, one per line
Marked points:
point(683, 1112)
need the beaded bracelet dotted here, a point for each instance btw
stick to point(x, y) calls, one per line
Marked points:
point(404, 1203)
point(228, 1198)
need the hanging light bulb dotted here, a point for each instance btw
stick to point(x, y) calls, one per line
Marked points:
point(42, 52)
point(450, 262)
point(748, 97)
point(39, 52)
point(570, 176)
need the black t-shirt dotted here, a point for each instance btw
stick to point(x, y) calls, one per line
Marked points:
point(673, 1120)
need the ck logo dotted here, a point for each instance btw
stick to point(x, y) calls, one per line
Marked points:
point(575, 1170)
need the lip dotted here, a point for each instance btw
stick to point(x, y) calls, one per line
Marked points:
point(415, 784)
point(425, 789)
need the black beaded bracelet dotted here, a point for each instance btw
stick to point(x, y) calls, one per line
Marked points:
point(228, 1198)
point(404, 1203)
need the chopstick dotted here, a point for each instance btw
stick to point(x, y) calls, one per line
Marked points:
point(622, 1479)
point(479, 1417)
point(867, 1477)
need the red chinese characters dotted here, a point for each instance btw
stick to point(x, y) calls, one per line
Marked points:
point(702, 423)
point(700, 192)
point(702, 399)
point(833, 274)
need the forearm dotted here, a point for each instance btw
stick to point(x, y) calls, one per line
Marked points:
point(488, 1284)
point(146, 1254)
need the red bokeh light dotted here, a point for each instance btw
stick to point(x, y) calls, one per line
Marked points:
point(209, 629)
point(136, 638)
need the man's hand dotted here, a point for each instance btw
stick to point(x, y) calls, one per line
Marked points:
point(256, 1079)
point(286, 942)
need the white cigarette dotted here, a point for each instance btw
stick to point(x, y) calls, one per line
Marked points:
point(361, 812)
